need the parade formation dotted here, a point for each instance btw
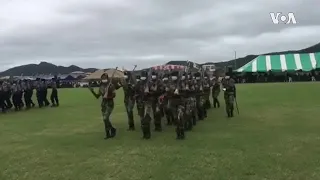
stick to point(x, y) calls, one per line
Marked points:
point(181, 97)
point(18, 94)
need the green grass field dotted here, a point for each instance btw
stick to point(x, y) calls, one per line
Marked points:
point(276, 136)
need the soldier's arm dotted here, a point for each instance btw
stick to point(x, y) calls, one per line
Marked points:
point(96, 95)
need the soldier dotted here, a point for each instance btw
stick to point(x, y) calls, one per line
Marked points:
point(164, 100)
point(44, 89)
point(147, 105)
point(129, 98)
point(177, 103)
point(39, 93)
point(2, 97)
point(20, 94)
point(199, 96)
point(15, 97)
point(216, 92)
point(7, 95)
point(54, 94)
point(107, 91)
point(139, 88)
point(191, 104)
point(206, 90)
point(229, 94)
point(155, 93)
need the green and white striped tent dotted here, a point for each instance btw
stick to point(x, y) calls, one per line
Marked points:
point(284, 62)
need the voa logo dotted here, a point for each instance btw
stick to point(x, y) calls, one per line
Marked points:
point(283, 18)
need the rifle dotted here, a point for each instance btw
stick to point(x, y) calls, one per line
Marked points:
point(109, 83)
point(134, 68)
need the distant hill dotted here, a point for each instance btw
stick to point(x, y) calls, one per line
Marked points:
point(48, 68)
point(43, 68)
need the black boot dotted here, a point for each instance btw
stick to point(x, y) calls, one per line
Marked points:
point(113, 132)
point(231, 112)
point(158, 128)
point(108, 134)
point(194, 120)
point(131, 128)
point(182, 134)
point(146, 132)
point(178, 133)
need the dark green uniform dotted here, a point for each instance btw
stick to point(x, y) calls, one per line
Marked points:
point(107, 92)
point(129, 99)
point(215, 93)
point(229, 95)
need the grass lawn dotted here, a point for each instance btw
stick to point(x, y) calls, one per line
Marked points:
point(276, 136)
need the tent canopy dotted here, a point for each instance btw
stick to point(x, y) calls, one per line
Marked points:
point(97, 75)
point(281, 63)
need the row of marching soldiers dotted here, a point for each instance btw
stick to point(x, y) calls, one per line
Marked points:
point(182, 97)
point(18, 95)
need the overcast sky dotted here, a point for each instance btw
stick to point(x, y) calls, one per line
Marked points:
point(109, 33)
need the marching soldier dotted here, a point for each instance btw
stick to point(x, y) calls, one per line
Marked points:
point(216, 92)
point(44, 92)
point(54, 94)
point(229, 94)
point(164, 100)
point(199, 96)
point(191, 111)
point(178, 104)
point(147, 104)
point(206, 90)
point(139, 88)
point(39, 93)
point(107, 91)
point(2, 97)
point(7, 95)
point(15, 97)
point(129, 98)
point(155, 92)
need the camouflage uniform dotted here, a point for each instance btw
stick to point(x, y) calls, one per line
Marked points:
point(206, 90)
point(178, 104)
point(191, 111)
point(229, 95)
point(215, 93)
point(7, 95)
point(164, 100)
point(129, 98)
point(107, 91)
point(147, 105)
point(139, 88)
point(156, 92)
point(199, 97)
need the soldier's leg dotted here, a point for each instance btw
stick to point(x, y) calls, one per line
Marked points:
point(231, 104)
point(227, 107)
point(26, 99)
point(56, 98)
point(129, 109)
point(53, 104)
point(15, 102)
point(217, 101)
point(156, 116)
point(180, 123)
point(30, 98)
point(140, 111)
point(8, 100)
point(146, 121)
point(106, 112)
